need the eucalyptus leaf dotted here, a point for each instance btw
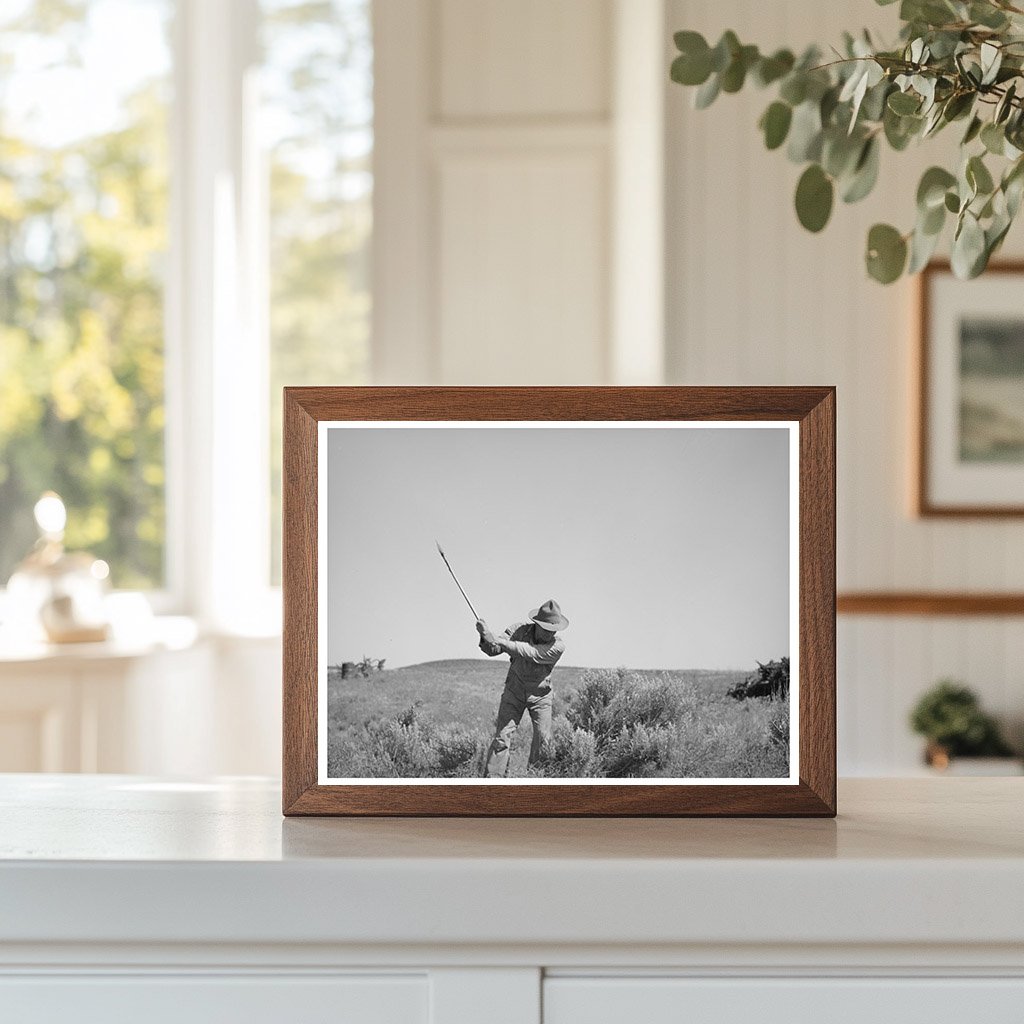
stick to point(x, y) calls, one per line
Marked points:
point(931, 221)
point(991, 60)
point(978, 176)
point(1013, 187)
point(771, 69)
point(904, 103)
point(930, 12)
point(873, 106)
point(827, 106)
point(944, 44)
point(993, 138)
point(886, 253)
point(794, 88)
point(925, 87)
point(922, 247)
point(958, 105)
point(735, 74)
point(995, 233)
point(973, 130)
point(968, 248)
point(692, 68)
point(1005, 104)
point(865, 173)
point(987, 15)
point(805, 133)
point(840, 152)
point(934, 121)
point(931, 190)
point(707, 93)
point(1014, 192)
point(775, 124)
point(900, 130)
point(814, 195)
point(724, 51)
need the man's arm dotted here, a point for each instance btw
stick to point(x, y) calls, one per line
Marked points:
point(487, 644)
point(539, 654)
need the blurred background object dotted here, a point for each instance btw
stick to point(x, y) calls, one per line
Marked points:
point(54, 593)
point(962, 738)
point(204, 200)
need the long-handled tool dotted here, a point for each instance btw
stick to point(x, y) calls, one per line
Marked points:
point(457, 583)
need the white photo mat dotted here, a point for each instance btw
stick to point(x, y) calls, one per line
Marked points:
point(323, 512)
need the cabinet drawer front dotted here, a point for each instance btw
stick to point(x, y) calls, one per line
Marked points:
point(783, 1001)
point(201, 999)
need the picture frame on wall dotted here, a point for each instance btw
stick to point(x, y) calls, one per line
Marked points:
point(970, 418)
point(559, 601)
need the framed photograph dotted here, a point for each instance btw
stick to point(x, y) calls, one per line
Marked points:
point(559, 601)
point(970, 450)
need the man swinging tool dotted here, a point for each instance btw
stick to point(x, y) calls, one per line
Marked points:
point(534, 647)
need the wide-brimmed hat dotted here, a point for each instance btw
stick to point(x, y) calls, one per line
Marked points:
point(549, 616)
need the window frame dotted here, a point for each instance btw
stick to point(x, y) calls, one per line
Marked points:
point(217, 351)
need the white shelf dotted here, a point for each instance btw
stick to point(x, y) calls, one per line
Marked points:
point(122, 859)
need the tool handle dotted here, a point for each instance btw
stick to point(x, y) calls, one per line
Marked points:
point(458, 584)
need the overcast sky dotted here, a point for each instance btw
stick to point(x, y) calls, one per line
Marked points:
point(665, 547)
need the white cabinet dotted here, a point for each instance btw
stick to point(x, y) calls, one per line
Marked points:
point(829, 1000)
point(127, 899)
point(202, 999)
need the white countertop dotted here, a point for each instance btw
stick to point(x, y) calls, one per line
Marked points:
point(122, 859)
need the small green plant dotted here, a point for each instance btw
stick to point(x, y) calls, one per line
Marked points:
point(950, 717)
point(956, 61)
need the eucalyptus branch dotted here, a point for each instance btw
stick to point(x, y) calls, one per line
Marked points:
point(953, 58)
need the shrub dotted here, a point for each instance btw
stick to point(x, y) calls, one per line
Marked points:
point(410, 747)
point(571, 753)
point(770, 680)
point(609, 701)
point(638, 752)
point(614, 724)
point(587, 704)
point(454, 749)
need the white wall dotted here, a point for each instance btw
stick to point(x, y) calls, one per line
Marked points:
point(754, 299)
point(505, 130)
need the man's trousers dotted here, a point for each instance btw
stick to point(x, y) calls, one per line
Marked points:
point(513, 703)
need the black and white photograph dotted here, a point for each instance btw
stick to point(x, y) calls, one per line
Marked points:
point(533, 602)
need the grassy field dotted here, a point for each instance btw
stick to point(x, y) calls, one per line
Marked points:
point(437, 718)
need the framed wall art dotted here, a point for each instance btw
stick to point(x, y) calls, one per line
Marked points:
point(559, 601)
point(970, 444)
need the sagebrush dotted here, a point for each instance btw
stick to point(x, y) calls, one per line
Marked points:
point(614, 723)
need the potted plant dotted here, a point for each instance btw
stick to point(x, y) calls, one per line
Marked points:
point(950, 717)
point(956, 62)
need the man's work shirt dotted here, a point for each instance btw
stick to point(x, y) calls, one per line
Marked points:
point(531, 662)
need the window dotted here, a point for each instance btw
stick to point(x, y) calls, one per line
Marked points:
point(185, 222)
point(83, 235)
point(317, 122)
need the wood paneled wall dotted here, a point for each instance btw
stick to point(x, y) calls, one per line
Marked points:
point(753, 298)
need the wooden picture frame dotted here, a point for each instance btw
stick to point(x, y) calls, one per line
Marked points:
point(809, 415)
point(974, 488)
